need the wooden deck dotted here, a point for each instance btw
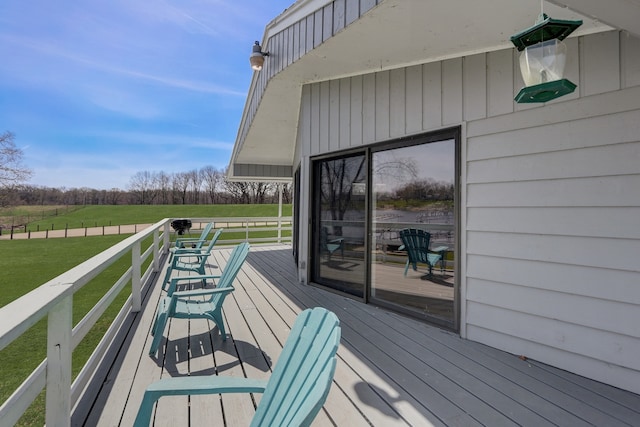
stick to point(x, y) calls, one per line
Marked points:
point(391, 371)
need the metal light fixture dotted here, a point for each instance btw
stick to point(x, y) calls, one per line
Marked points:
point(543, 58)
point(257, 57)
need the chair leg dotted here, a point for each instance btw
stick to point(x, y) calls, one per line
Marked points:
point(166, 277)
point(146, 408)
point(158, 328)
point(217, 319)
point(406, 268)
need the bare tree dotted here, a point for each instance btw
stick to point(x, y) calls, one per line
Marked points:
point(164, 186)
point(286, 193)
point(339, 178)
point(239, 191)
point(181, 187)
point(212, 178)
point(113, 196)
point(259, 191)
point(141, 185)
point(12, 171)
point(195, 181)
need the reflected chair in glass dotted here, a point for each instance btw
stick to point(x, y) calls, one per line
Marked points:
point(416, 243)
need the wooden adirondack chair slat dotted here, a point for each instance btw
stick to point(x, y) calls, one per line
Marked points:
point(181, 259)
point(416, 243)
point(181, 305)
point(185, 242)
point(297, 388)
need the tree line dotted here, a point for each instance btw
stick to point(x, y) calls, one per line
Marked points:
point(207, 185)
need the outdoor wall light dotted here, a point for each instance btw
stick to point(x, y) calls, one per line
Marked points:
point(543, 59)
point(257, 57)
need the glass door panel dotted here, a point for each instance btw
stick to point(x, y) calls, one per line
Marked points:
point(339, 224)
point(413, 187)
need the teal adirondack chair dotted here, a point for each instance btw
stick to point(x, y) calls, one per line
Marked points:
point(297, 388)
point(189, 259)
point(191, 305)
point(416, 243)
point(329, 246)
point(183, 242)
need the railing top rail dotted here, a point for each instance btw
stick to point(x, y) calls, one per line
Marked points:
point(241, 219)
point(24, 312)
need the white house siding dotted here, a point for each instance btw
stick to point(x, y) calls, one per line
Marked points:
point(550, 194)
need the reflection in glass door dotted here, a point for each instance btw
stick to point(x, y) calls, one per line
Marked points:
point(338, 250)
point(413, 187)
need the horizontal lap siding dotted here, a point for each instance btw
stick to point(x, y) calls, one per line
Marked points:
point(553, 223)
point(550, 193)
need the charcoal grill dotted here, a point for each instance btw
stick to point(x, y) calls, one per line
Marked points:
point(181, 225)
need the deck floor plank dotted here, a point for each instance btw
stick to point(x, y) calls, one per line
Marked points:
point(204, 410)
point(259, 303)
point(237, 409)
point(270, 336)
point(583, 405)
point(392, 370)
point(625, 405)
point(119, 394)
point(401, 402)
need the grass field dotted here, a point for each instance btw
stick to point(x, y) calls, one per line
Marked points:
point(97, 216)
point(26, 264)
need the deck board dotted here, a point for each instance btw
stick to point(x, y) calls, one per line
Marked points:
point(392, 370)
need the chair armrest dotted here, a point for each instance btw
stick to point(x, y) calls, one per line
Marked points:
point(191, 254)
point(189, 239)
point(200, 292)
point(173, 283)
point(182, 386)
point(199, 277)
point(209, 384)
point(184, 249)
point(181, 241)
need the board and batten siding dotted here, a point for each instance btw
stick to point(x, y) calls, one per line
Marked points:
point(550, 194)
point(291, 43)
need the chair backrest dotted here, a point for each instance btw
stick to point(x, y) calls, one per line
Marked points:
point(213, 241)
point(416, 242)
point(302, 376)
point(203, 236)
point(324, 237)
point(236, 259)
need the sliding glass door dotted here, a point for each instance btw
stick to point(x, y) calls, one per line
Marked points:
point(362, 205)
point(413, 188)
point(338, 252)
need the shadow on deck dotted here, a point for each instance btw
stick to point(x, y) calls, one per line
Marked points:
point(392, 370)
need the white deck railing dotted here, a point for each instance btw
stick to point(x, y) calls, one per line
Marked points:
point(54, 299)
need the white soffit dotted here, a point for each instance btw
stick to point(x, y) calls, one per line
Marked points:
point(394, 34)
point(622, 14)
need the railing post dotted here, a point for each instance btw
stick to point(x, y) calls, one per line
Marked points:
point(166, 238)
point(156, 254)
point(136, 295)
point(280, 213)
point(59, 352)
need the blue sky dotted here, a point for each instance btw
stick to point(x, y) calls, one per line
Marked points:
point(97, 90)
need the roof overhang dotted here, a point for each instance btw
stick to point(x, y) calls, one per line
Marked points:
point(398, 33)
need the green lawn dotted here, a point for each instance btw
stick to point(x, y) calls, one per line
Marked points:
point(27, 264)
point(97, 216)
